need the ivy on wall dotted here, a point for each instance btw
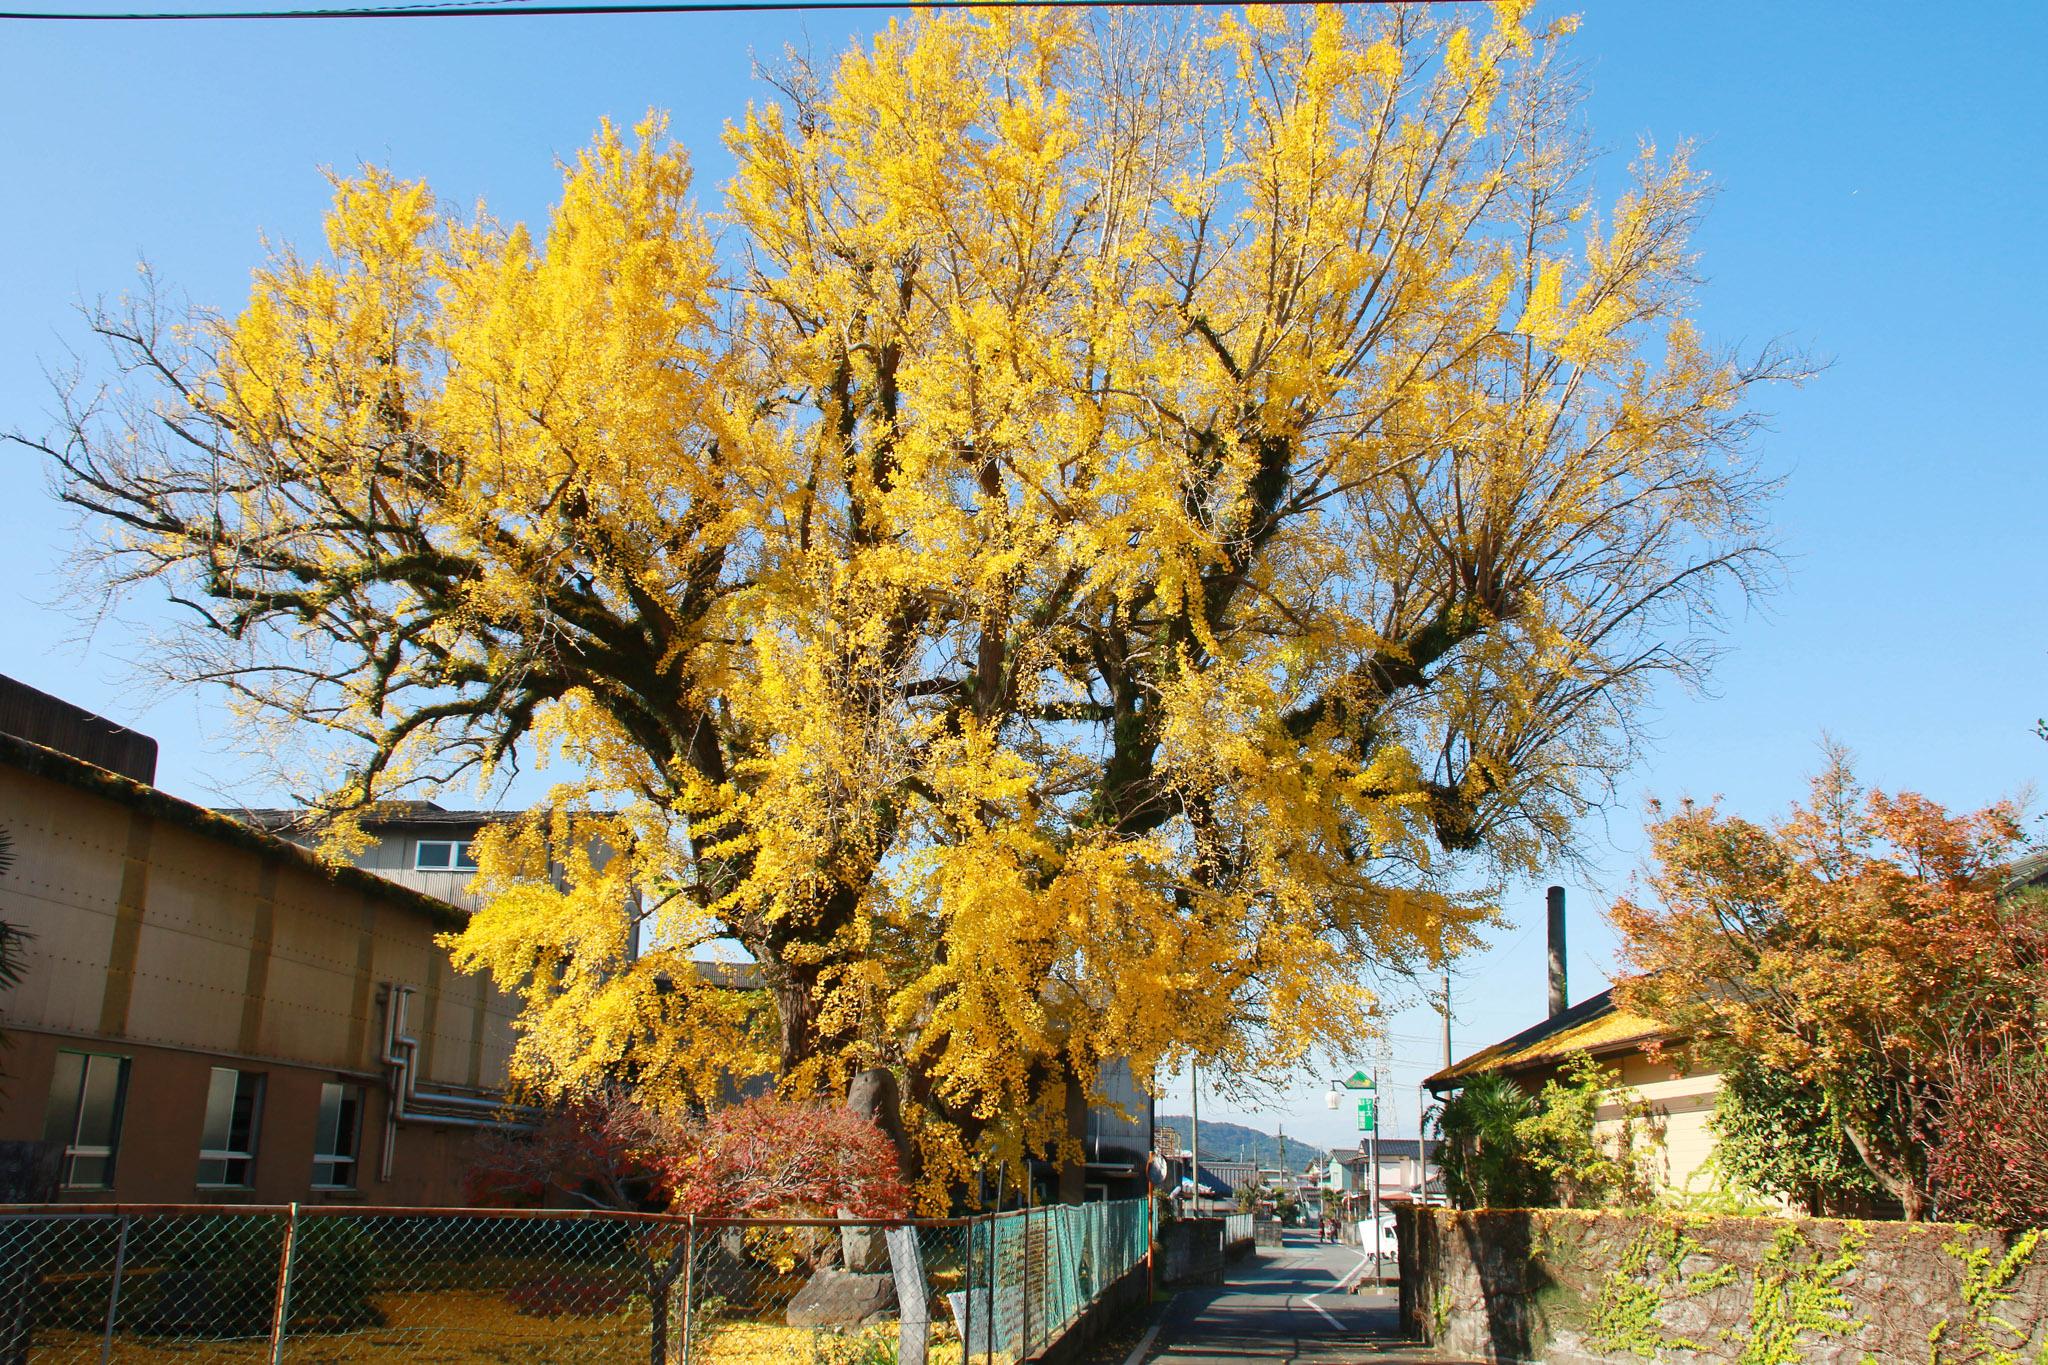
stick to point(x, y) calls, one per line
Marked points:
point(1796, 1298)
point(1629, 1314)
point(1985, 1336)
point(1748, 1292)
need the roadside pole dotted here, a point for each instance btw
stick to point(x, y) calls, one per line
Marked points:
point(1372, 1161)
point(1367, 1089)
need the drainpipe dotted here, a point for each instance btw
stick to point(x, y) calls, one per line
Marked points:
point(408, 1103)
point(394, 1080)
point(414, 1096)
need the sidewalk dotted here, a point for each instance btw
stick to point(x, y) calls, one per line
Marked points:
point(1288, 1304)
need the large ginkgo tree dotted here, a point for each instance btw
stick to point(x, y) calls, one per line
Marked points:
point(1090, 544)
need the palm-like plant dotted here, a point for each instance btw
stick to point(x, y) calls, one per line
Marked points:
point(1484, 1157)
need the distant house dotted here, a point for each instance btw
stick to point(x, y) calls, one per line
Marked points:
point(413, 843)
point(1228, 1177)
point(1406, 1166)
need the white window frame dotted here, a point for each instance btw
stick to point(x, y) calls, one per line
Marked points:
point(227, 1154)
point(110, 1151)
point(460, 858)
point(341, 1166)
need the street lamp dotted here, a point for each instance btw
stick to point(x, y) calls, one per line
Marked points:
point(1366, 1087)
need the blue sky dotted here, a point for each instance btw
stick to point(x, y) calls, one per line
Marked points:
point(1882, 205)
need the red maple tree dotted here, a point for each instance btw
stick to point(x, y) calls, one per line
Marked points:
point(764, 1158)
point(772, 1157)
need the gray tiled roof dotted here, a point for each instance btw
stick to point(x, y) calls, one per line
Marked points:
point(387, 815)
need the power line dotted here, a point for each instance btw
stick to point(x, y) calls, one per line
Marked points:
point(499, 9)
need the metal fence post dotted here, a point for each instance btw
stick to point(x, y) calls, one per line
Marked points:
point(967, 1300)
point(114, 1292)
point(689, 1282)
point(995, 1271)
point(284, 1285)
point(1027, 1275)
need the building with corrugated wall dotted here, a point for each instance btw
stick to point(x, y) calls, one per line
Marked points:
point(210, 1013)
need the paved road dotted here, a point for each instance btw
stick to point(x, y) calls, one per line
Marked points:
point(1288, 1304)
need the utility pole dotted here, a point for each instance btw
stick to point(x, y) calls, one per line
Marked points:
point(1372, 1161)
point(1195, 1138)
point(1422, 1091)
point(1447, 1016)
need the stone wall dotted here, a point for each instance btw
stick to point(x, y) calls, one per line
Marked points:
point(1573, 1288)
point(1191, 1251)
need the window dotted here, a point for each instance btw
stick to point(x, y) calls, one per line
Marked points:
point(442, 855)
point(85, 1116)
point(334, 1144)
point(227, 1150)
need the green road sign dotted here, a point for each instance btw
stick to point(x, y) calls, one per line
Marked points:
point(1367, 1114)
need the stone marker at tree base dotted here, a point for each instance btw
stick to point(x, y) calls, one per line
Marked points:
point(844, 1298)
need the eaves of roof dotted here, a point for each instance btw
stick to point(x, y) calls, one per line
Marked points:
point(1595, 1026)
point(393, 815)
point(126, 791)
point(2022, 873)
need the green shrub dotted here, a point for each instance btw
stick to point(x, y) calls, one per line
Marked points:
point(218, 1277)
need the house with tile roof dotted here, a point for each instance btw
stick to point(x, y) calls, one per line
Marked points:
point(1654, 1068)
point(1654, 1071)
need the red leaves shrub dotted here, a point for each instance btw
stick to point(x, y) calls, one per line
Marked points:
point(598, 1148)
point(765, 1158)
point(772, 1157)
point(1990, 1164)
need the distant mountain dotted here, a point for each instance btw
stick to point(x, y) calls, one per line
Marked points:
point(1235, 1142)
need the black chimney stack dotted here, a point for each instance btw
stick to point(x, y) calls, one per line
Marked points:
point(1560, 998)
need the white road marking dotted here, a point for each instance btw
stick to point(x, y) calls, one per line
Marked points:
point(1342, 1281)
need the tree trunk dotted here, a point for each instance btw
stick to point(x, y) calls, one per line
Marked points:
point(1892, 1171)
point(796, 1008)
point(660, 1276)
point(872, 1095)
point(801, 952)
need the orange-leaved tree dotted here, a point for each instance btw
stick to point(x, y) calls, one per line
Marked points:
point(1853, 943)
point(774, 1157)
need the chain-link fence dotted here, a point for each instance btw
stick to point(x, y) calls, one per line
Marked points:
point(144, 1283)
